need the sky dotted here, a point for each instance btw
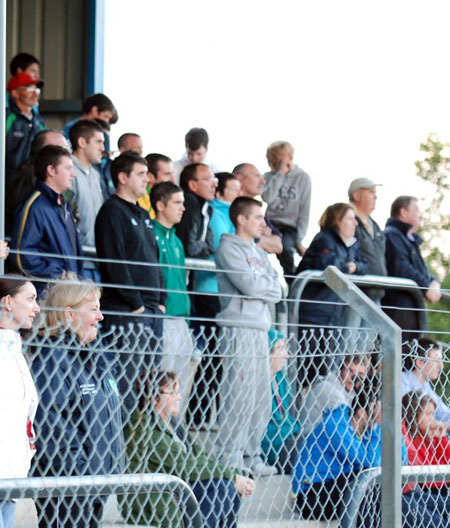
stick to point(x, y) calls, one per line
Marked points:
point(354, 85)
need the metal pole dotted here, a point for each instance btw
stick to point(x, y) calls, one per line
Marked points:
point(391, 453)
point(104, 485)
point(2, 122)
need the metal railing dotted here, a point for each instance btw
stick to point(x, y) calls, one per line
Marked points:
point(374, 281)
point(35, 487)
point(354, 496)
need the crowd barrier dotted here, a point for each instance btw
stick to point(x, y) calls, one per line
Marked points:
point(122, 355)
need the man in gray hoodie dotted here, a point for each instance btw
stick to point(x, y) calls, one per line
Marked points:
point(247, 284)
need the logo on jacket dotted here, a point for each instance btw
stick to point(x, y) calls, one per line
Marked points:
point(88, 388)
point(133, 222)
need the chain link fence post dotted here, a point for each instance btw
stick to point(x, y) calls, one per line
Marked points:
point(391, 487)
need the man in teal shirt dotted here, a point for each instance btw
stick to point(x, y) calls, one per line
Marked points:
point(167, 201)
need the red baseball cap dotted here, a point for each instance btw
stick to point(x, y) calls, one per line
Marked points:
point(23, 79)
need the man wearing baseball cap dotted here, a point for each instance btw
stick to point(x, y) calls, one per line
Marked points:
point(362, 193)
point(22, 121)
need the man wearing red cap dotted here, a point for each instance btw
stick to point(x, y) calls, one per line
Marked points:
point(22, 121)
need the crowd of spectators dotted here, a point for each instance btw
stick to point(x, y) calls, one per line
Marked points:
point(201, 350)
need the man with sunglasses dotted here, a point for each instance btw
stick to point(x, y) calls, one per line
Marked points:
point(333, 390)
point(22, 120)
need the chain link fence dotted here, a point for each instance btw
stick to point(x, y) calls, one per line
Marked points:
point(266, 428)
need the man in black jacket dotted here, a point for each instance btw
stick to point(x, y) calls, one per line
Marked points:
point(199, 186)
point(404, 259)
point(124, 232)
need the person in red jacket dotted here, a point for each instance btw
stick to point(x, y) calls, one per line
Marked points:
point(425, 436)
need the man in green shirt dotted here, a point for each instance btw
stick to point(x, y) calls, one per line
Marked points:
point(167, 201)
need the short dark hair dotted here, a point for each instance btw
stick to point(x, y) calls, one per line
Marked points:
point(153, 161)
point(162, 192)
point(22, 61)
point(196, 138)
point(417, 349)
point(11, 284)
point(189, 173)
point(102, 124)
point(123, 138)
point(401, 202)
point(242, 206)
point(39, 140)
point(239, 169)
point(223, 178)
point(48, 155)
point(125, 163)
point(101, 101)
point(83, 128)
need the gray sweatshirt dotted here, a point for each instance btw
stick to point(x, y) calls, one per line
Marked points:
point(249, 275)
point(288, 199)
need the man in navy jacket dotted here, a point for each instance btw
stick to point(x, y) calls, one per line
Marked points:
point(44, 222)
point(403, 259)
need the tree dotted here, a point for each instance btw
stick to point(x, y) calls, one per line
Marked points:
point(435, 169)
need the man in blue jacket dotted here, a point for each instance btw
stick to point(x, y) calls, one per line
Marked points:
point(44, 222)
point(404, 259)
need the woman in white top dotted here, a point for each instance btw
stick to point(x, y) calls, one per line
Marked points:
point(18, 396)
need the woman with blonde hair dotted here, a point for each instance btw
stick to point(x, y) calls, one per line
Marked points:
point(18, 395)
point(321, 310)
point(78, 423)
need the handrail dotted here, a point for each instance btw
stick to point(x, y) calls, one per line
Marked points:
point(355, 493)
point(104, 485)
point(375, 281)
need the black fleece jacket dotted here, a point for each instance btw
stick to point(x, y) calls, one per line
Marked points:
point(124, 231)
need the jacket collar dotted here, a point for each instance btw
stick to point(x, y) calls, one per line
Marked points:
point(403, 227)
point(54, 197)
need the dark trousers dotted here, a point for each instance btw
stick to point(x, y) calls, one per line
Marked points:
point(70, 512)
point(209, 372)
point(289, 241)
point(219, 502)
point(135, 344)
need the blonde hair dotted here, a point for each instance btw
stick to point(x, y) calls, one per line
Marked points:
point(274, 150)
point(70, 291)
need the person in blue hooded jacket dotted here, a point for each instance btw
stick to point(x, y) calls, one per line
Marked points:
point(346, 441)
point(78, 422)
point(279, 444)
point(334, 245)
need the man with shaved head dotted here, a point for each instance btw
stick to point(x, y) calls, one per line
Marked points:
point(252, 184)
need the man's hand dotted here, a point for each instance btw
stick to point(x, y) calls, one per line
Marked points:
point(433, 294)
point(244, 486)
point(139, 310)
point(162, 308)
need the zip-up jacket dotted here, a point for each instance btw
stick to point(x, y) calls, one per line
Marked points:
point(123, 231)
point(20, 132)
point(327, 249)
point(171, 252)
point(45, 224)
point(374, 251)
point(78, 422)
point(191, 227)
